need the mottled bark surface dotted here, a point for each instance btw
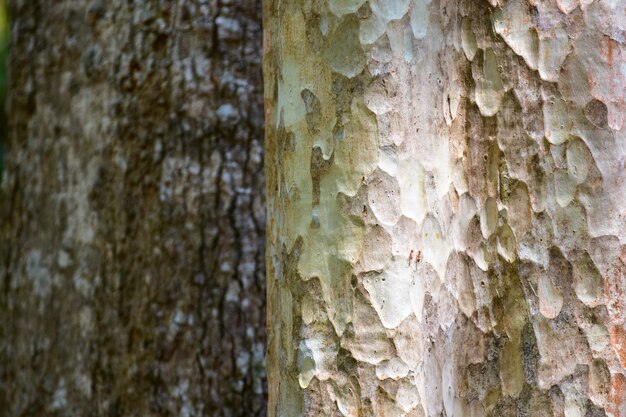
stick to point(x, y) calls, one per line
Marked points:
point(132, 226)
point(446, 211)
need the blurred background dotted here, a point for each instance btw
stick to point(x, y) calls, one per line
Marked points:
point(132, 211)
point(4, 42)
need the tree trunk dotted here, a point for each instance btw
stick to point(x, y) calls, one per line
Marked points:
point(132, 225)
point(446, 211)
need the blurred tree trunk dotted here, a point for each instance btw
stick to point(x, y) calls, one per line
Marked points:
point(132, 222)
point(446, 211)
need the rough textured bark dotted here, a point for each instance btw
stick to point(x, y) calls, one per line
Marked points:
point(446, 211)
point(132, 234)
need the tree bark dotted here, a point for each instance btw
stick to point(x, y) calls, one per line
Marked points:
point(446, 212)
point(132, 223)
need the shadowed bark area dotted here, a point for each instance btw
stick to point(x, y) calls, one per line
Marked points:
point(132, 222)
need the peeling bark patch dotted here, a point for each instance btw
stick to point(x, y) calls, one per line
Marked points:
point(342, 50)
point(484, 215)
point(596, 112)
